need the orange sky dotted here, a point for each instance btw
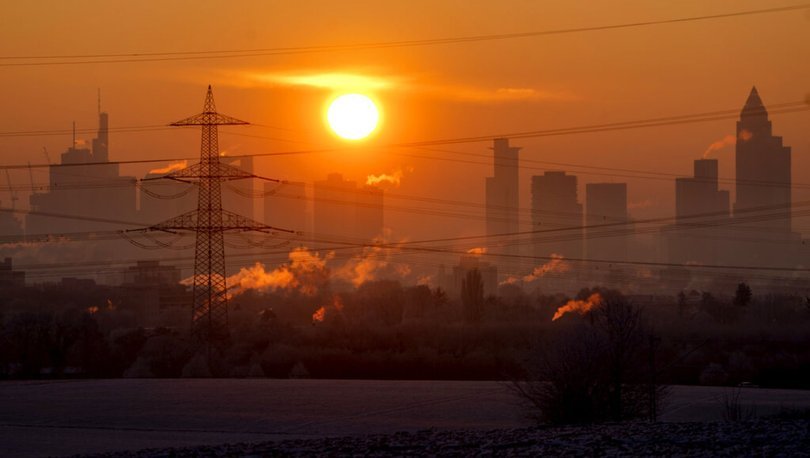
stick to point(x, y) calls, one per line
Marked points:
point(432, 92)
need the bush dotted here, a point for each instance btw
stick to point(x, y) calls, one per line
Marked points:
point(595, 370)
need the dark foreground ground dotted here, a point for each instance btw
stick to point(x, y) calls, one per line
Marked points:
point(56, 418)
point(750, 438)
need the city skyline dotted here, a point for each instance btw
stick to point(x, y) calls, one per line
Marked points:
point(564, 87)
point(517, 228)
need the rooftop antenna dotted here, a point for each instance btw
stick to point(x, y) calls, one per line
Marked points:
point(74, 135)
point(99, 100)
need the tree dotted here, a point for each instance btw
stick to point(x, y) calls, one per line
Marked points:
point(595, 371)
point(743, 295)
point(472, 296)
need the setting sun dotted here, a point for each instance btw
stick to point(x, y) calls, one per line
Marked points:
point(352, 116)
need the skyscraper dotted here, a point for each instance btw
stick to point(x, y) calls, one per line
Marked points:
point(763, 185)
point(700, 195)
point(502, 199)
point(368, 218)
point(556, 215)
point(606, 203)
point(343, 212)
point(701, 217)
point(85, 185)
point(286, 208)
point(763, 165)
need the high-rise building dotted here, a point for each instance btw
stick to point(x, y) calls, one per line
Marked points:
point(285, 206)
point(701, 217)
point(240, 196)
point(763, 166)
point(606, 204)
point(84, 185)
point(700, 196)
point(502, 203)
point(762, 228)
point(342, 212)
point(556, 215)
point(333, 208)
point(161, 199)
point(368, 220)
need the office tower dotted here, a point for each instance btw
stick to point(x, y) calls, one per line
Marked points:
point(163, 199)
point(699, 198)
point(606, 205)
point(85, 185)
point(502, 203)
point(556, 215)
point(333, 209)
point(701, 217)
point(763, 224)
point(285, 206)
point(763, 165)
point(342, 212)
point(368, 221)
point(240, 196)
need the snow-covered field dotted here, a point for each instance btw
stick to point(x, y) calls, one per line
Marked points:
point(712, 439)
point(100, 416)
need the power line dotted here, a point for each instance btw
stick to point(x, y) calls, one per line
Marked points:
point(419, 246)
point(788, 107)
point(131, 57)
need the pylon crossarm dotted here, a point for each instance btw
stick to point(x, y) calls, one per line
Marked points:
point(184, 222)
point(235, 221)
point(216, 171)
point(209, 119)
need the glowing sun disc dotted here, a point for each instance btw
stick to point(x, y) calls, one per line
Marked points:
point(353, 116)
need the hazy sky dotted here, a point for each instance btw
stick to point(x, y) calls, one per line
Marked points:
point(425, 93)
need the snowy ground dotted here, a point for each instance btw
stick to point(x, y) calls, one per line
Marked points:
point(98, 416)
point(708, 439)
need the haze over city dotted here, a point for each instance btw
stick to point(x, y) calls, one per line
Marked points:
point(466, 191)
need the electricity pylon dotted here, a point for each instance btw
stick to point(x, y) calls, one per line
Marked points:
point(209, 313)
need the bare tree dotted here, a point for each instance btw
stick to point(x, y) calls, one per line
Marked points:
point(598, 370)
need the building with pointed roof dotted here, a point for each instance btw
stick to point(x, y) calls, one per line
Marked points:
point(762, 208)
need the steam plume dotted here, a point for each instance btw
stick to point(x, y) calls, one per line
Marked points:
point(320, 314)
point(393, 178)
point(555, 265)
point(305, 272)
point(372, 264)
point(581, 307)
point(728, 140)
point(170, 168)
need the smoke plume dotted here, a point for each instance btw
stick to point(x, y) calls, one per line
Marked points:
point(335, 307)
point(392, 178)
point(555, 265)
point(305, 272)
point(728, 140)
point(581, 307)
point(372, 264)
point(174, 166)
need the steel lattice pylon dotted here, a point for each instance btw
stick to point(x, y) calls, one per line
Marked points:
point(210, 222)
